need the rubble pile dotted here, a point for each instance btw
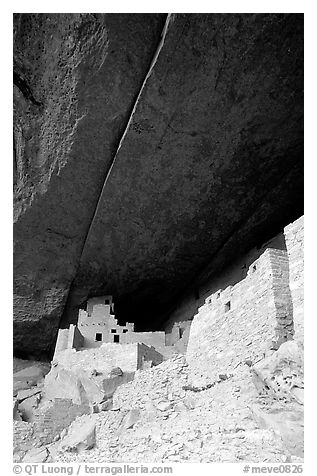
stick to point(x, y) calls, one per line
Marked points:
point(158, 417)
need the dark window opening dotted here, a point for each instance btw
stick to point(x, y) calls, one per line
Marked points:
point(124, 331)
point(181, 332)
point(113, 331)
point(98, 337)
point(83, 306)
point(227, 306)
point(254, 268)
point(107, 301)
point(116, 338)
point(218, 295)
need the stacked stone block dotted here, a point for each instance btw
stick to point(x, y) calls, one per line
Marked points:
point(294, 237)
point(242, 322)
point(129, 357)
point(58, 415)
point(282, 297)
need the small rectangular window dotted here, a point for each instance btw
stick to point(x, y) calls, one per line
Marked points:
point(124, 331)
point(116, 338)
point(98, 337)
point(227, 306)
point(113, 331)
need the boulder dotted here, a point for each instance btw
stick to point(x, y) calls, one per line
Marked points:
point(286, 423)
point(36, 455)
point(81, 435)
point(27, 407)
point(130, 419)
point(282, 372)
point(62, 383)
point(163, 406)
point(81, 386)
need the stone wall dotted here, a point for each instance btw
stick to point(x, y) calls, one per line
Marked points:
point(99, 321)
point(176, 330)
point(103, 358)
point(282, 297)
point(176, 327)
point(61, 342)
point(294, 237)
point(75, 338)
point(242, 321)
point(148, 338)
point(108, 356)
point(58, 415)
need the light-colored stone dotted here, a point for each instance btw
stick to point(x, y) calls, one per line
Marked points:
point(36, 455)
point(23, 394)
point(283, 370)
point(289, 424)
point(28, 406)
point(130, 419)
point(163, 406)
point(81, 435)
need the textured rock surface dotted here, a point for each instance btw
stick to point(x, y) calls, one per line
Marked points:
point(283, 371)
point(76, 79)
point(211, 159)
point(215, 132)
point(36, 455)
point(244, 321)
point(81, 435)
point(28, 377)
point(294, 235)
point(217, 424)
point(80, 386)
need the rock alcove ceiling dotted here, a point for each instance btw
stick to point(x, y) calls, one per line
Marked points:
point(148, 148)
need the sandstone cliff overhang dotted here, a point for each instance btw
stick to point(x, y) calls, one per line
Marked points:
point(146, 147)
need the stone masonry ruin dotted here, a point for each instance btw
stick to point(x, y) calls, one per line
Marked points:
point(98, 325)
point(158, 238)
point(252, 318)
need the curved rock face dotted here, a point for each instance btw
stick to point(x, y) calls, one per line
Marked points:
point(76, 80)
point(209, 161)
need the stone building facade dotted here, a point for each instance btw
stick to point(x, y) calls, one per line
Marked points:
point(257, 300)
point(97, 325)
point(246, 319)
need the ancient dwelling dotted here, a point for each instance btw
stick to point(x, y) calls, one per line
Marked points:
point(251, 310)
point(97, 325)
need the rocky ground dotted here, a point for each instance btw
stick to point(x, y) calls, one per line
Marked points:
point(161, 417)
